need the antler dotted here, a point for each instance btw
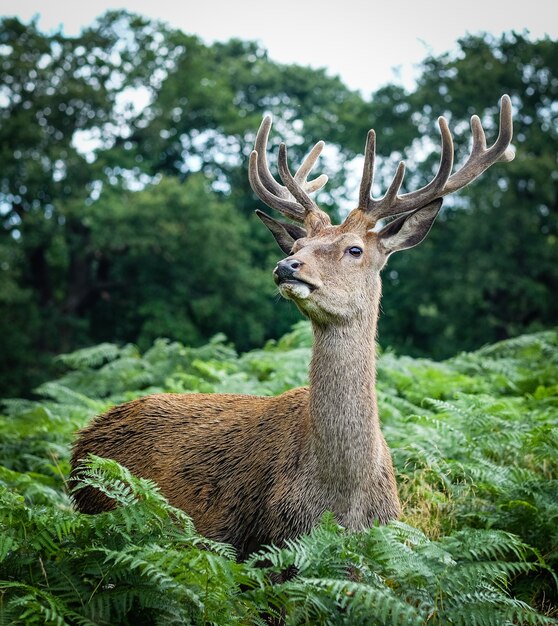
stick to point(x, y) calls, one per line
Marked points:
point(292, 197)
point(480, 159)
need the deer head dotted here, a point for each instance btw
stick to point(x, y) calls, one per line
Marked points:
point(331, 269)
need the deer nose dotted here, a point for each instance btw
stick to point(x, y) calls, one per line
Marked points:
point(286, 268)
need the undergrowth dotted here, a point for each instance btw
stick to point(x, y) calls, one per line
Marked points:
point(475, 444)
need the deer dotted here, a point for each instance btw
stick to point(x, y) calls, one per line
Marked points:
point(253, 471)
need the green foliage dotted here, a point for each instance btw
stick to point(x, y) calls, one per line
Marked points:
point(142, 563)
point(475, 445)
point(123, 223)
point(493, 254)
point(395, 575)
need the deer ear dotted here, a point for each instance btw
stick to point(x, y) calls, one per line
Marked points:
point(409, 230)
point(285, 234)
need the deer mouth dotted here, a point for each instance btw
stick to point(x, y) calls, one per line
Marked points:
point(295, 288)
point(283, 282)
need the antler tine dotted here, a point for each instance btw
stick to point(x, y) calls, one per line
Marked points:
point(432, 190)
point(263, 168)
point(368, 169)
point(479, 138)
point(291, 184)
point(392, 204)
point(291, 209)
point(302, 173)
point(290, 199)
point(306, 167)
point(391, 193)
point(480, 159)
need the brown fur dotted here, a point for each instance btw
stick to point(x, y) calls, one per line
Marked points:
point(252, 470)
point(237, 464)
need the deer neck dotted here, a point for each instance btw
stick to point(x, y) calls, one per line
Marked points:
point(346, 437)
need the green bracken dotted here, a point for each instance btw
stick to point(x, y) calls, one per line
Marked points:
point(475, 444)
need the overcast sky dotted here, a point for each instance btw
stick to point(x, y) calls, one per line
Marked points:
point(367, 43)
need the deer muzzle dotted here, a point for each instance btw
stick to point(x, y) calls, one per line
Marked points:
point(286, 269)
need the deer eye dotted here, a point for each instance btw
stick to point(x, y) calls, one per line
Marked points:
point(355, 251)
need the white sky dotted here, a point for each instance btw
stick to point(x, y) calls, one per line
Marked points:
point(368, 44)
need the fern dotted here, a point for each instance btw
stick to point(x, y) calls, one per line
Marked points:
point(474, 440)
point(395, 575)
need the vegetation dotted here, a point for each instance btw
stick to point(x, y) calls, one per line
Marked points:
point(475, 443)
point(126, 215)
point(125, 207)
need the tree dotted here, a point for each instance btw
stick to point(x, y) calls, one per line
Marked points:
point(177, 264)
point(489, 269)
point(100, 135)
point(79, 155)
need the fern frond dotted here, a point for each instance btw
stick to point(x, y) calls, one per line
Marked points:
point(358, 600)
point(91, 357)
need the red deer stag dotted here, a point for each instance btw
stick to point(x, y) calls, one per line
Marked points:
point(255, 470)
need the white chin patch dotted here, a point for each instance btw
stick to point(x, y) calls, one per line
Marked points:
point(295, 290)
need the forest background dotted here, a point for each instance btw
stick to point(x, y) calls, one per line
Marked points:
point(124, 223)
